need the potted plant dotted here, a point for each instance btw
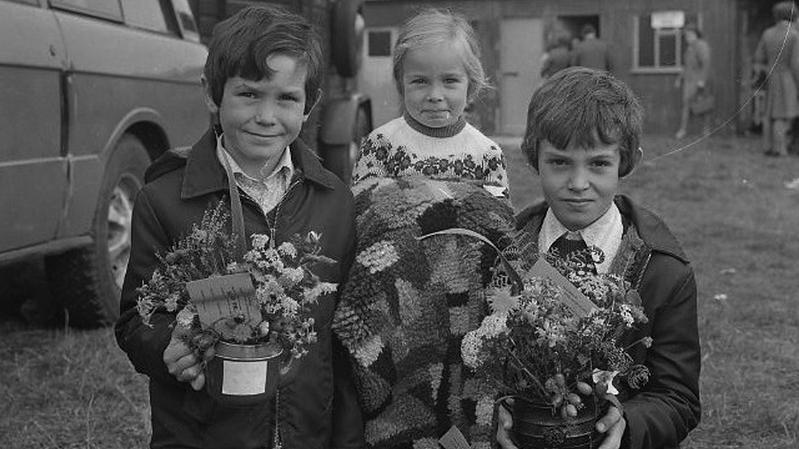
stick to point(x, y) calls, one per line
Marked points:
point(554, 344)
point(255, 309)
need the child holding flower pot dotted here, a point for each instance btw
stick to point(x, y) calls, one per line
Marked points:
point(582, 136)
point(262, 79)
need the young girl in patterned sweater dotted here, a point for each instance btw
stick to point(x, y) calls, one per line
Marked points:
point(407, 305)
point(437, 72)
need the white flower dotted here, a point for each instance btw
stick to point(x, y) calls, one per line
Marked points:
point(171, 302)
point(185, 317)
point(312, 294)
point(259, 241)
point(289, 306)
point(493, 325)
point(626, 315)
point(287, 249)
point(269, 291)
point(293, 276)
point(605, 378)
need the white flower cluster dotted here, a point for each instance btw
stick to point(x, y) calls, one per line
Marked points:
point(471, 346)
point(626, 314)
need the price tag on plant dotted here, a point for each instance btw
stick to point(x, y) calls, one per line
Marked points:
point(574, 299)
point(222, 297)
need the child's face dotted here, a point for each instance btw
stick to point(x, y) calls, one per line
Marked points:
point(579, 183)
point(435, 85)
point(261, 118)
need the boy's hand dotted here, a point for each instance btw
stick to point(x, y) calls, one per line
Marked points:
point(184, 363)
point(504, 424)
point(612, 425)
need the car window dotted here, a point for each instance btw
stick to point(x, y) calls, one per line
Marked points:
point(101, 8)
point(26, 2)
point(186, 19)
point(147, 14)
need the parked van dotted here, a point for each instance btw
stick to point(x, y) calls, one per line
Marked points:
point(90, 92)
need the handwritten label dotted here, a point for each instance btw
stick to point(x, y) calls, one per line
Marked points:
point(572, 297)
point(454, 439)
point(224, 296)
point(244, 378)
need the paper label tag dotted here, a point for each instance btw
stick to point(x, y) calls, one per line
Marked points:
point(454, 439)
point(224, 296)
point(572, 297)
point(243, 378)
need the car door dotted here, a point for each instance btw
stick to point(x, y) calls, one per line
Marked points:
point(33, 173)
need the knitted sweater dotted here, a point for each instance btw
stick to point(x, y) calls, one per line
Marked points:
point(408, 303)
point(405, 147)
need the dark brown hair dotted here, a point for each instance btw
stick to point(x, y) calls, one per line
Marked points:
point(241, 44)
point(584, 107)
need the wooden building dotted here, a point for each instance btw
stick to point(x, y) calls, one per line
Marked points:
point(646, 37)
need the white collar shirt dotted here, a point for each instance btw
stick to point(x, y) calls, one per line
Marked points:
point(605, 233)
point(267, 191)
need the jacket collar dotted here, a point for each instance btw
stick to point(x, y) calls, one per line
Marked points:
point(650, 227)
point(204, 174)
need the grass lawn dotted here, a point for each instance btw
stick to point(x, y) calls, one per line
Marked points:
point(726, 203)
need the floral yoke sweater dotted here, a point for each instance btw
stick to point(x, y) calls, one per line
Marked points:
point(405, 147)
point(408, 304)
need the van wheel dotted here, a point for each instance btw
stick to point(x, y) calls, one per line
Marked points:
point(88, 281)
point(341, 159)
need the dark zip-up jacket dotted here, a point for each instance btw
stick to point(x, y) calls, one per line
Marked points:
point(317, 403)
point(660, 415)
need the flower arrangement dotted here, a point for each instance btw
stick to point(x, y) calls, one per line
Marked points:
point(272, 305)
point(535, 347)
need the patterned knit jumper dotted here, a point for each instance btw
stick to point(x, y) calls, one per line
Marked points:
point(407, 305)
point(405, 147)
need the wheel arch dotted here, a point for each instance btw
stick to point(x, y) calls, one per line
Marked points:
point(147, 125)
point(87, 175)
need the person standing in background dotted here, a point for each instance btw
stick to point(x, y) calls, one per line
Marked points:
point(777, 56)
point(694, 76)
point(592, 52)
point(558, 55)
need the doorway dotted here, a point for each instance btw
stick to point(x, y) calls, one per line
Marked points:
point(521, 49)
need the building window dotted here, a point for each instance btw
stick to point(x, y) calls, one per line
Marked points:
point(379, 42)
point(658, 48)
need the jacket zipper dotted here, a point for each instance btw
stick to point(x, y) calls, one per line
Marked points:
point(642, 270)
point(273, 225)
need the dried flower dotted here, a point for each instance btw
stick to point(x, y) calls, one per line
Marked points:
point(285, 286)
point(534, 346)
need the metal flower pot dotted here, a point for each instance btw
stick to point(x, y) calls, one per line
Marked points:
point(535, 426)
point(243, 375)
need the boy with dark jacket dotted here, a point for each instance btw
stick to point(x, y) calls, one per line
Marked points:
point(583, 131)
point(261, 80)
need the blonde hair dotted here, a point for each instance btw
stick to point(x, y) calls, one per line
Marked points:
point(432, 27)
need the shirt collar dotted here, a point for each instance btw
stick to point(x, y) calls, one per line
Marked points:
point(285, 163)
point(605, 233)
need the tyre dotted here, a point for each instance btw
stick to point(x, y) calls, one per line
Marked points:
point(341, 159)
point(347, 37)
point(87, 281)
